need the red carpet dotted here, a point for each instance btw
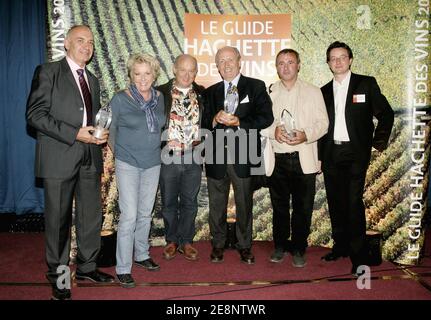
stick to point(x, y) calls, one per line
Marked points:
point(22, 270)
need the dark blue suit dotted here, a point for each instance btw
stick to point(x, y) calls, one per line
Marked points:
point(256, 114)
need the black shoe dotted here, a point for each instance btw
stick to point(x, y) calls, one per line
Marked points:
point(299, 260)
point(217, 255)
point(60, 294)
point(126, 280)
point(333, 256)
point(278, 255)
point(148, 264)
point(246, 256)
point(95, 276)
point(355, 272)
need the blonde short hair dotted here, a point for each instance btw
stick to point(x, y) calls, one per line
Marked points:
point(137, 58)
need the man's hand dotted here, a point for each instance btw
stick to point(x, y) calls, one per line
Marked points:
point(299, 137)
point(225, 118)
point(281, 135)
point(85, 136)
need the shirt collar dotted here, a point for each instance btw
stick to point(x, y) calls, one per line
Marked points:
point(73, 65)
point(344, 82)
point(234, 81)
point(183, 90)
point(295, 85)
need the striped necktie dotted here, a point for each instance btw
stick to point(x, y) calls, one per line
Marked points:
point(87, 97)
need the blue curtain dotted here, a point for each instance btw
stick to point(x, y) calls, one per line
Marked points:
point(22, 48)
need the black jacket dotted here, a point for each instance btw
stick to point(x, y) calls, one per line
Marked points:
point(359, 119)
point(254, 112)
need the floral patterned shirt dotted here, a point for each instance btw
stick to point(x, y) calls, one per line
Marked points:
point(183, 120)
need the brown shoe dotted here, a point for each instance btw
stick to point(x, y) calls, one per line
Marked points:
point(170, 251)
point(189, 252)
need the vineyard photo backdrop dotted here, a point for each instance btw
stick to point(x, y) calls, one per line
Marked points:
point(388, 42)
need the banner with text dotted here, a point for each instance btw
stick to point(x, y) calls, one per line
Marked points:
point(257, 37)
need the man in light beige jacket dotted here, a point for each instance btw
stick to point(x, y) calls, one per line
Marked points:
point(300, 119)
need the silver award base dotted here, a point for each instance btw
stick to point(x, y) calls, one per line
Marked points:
point(98, 133)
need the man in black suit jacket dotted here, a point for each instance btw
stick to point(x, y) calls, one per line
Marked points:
point(352, 101)
point(69, 158)
point(236, 132)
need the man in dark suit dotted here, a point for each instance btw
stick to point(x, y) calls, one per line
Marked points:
point(234, 137)
point(62, 105)
point(352, 101)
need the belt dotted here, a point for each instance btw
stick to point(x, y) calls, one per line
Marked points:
point(287, 154)
point(180, 152)
point(341, 142)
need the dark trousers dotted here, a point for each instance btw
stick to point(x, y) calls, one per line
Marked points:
point(179, 186)
point(344, 182)
point(218, 194)
point(84, 187)
point(288, 182)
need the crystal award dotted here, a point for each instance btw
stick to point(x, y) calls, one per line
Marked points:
point(288, 122)
point(103, 121)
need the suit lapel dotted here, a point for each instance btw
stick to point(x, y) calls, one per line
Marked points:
point(242, 88)
point(94, 94)
point(349, 99)
point(69, 77)
point(329, 97)
point(219, 97)
point(352, 85)
point(242, 93)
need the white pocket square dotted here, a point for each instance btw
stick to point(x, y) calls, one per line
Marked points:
point(245, 100)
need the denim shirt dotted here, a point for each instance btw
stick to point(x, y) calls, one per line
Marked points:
point(133, 142)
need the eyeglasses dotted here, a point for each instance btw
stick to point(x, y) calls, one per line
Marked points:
point(342, 58)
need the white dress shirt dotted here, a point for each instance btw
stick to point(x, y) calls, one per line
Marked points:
point(74, 66)
point(340, 96)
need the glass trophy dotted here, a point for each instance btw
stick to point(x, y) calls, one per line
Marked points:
point(288, 122)
point(103, 121)
point(188, 135)
point(231, 101)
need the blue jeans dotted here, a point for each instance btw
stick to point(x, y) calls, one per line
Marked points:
point(179, 186)
point(137, 192)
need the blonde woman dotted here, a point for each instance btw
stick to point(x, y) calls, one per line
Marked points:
point(137, 119)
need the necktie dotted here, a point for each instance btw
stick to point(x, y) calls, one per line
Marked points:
point(229, 88)
point(87, 97)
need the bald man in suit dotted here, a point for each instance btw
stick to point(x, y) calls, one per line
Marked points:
point(62, 105)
